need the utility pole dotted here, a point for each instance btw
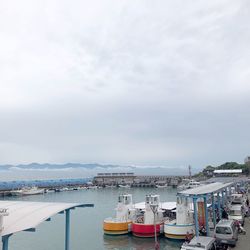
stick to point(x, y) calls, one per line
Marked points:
point(189, 172)
point(154, 208)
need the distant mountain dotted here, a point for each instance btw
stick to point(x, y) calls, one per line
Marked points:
point(94, 168)
point(56, 166)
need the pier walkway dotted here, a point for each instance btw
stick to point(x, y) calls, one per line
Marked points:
point(17, 216)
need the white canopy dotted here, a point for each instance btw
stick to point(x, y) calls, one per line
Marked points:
point(25, 215)
point(206, 189)
point(163, 205)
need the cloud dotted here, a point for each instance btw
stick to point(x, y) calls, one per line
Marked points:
point(124, 82)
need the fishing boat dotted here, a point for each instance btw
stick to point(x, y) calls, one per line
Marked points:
point(27, 191)
point(121, 224)
point(183, 225)
point(146, 221)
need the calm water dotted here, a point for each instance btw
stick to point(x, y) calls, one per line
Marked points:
point(86, 223)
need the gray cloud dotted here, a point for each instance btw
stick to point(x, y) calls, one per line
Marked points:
point(123, 82)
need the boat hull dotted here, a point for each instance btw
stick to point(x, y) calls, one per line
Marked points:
point(145, 230)
point(116, 228)
point(178, 232)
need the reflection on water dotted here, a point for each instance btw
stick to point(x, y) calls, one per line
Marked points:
point(128, 242)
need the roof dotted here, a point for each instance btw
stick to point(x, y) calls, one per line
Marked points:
point(168, 205)
point(205, 189)
point(163, 205)
point(25, 215)
point(227, 179)
point(228, 171)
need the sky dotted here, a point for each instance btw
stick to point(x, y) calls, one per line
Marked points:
point(147, 83)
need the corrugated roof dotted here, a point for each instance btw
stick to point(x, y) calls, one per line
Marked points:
point(25, 215)
point(205, 189)
point(228, 171)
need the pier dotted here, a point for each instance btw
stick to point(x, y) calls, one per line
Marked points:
point(12, 214)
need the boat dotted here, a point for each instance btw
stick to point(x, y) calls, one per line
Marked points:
point(27, 191)
point(183, 225)
point(188, 185)
point(124, 186)
point(146, 222)
point(121, 224)
point(162, 186)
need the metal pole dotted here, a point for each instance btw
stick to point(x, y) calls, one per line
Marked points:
point(213, 206)
point(67, 229)
point(5, 240)
point(219, 208)
point(196, 217)
point(155, 232)
point(206, 215)
point(222, 198)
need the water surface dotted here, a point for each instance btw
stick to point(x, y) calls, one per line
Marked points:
point(86, 223)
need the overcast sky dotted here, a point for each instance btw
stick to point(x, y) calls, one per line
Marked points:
point(125, 82)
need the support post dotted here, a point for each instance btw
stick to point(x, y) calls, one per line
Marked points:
point(5, 241)
point(230, 190)
point(206, 215)
point(67, 229)
point(196, 217)
point(213, 207)
point(219, 208)
point(222, 198)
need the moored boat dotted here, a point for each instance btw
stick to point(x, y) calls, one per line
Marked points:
point(162, 186)
point(183, 225)
point(146, 222)
point(27, 191)
point(188, 185)
point(121, 224)
point(124, 186)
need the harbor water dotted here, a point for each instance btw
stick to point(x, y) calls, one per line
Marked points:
point(86, 223)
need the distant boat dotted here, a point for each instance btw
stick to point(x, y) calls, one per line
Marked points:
point(190, 184)
point(27, 191)
point(162, 186)
point(124, 186)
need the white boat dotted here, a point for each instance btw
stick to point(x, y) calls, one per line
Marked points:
point(124, 186)
point(162, 186)
point(145, 222)
point(27, 191)
point(183, 225)
point(190, 184)
point(121, 223)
